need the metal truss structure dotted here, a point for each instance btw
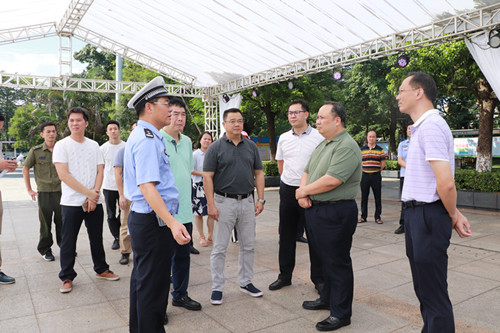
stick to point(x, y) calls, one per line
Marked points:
point(452, 28)
point(89, 85)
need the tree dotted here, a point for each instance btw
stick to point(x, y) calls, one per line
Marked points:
point(458, 78)
point(10, 99)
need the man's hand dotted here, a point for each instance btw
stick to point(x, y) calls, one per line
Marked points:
point(180, 233)
point(91, 206)
point(461, 224)
point(213, 212)
point(8, 165)
point(305, 202)
point(33, 195)
point(259, 207)
point(300, 193)
point(123, 202)
point(93, 196)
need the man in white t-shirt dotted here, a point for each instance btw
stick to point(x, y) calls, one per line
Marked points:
point(80, 166)
point(109, 188)
point(294, 150)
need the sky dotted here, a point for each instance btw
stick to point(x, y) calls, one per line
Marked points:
point(36, 57)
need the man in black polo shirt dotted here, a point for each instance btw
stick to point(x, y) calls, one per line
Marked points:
point(230, 168)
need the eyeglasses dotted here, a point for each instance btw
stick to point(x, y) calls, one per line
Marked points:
point(234, 121)
point(161, 103)
point(294, 113)
point(403, 90)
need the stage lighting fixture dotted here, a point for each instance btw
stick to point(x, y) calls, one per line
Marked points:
point(403, 60)
point(291, 84)
point(255, 92)
point(494, 38)
point(225, 98)
point(337, 75)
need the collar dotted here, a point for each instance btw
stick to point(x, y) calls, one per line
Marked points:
point(337, 137)
point(307, 131)
point(170, 138)
point(149, 126)
point(44, 146)
point(424, 116)
point(229, 140)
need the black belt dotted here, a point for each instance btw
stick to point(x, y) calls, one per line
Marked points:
point(414, 203)
point(329, 203)
point(234, 196)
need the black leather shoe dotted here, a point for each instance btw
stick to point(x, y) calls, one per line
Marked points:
point(315, 305)
point(301, 239)
point(165, 320)
point(332, 324)
point(278, 284)
point(400, 230)
point(188, 303)
point(193, 250)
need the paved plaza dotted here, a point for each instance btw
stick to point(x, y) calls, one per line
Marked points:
point(384, 300)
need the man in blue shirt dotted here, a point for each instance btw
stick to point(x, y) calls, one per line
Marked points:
point(150, 186)
point(402, 153)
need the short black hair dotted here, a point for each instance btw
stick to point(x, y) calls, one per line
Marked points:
point(232, 110)
point(78, 109)
point(46, 124)
point(424, 81)
point(198, 143)
point(303, 104)
point(112, 122)
point(2, 117)
point(131, 125)
point(177, 102)
point(338, 110)
point(140, 107)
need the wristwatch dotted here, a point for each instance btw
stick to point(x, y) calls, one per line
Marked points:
point(262, 201)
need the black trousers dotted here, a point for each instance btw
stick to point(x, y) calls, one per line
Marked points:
point(112, 205)
point(427, 233)
point(150, 281)
point(181, 260)
point(292, 215)
point(332, 227)
point(48, 207)
point(401, 217)
point(72, 221)
point(373, 181)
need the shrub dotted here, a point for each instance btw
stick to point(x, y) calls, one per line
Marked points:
point(471, 180)
point(392, 165)
point(270, 168)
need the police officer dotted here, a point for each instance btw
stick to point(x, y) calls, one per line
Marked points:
point(150, 186)
point(48, 186)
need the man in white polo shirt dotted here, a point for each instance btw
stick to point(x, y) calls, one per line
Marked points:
point(429, 201)
point(294, 150)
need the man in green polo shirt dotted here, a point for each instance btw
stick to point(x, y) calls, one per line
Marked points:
point(180, 156)
point(48, 189)
point(327, 190)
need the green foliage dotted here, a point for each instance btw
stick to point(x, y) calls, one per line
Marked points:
point(471, 180)
point(392, 165)
point(24, 127)
point(270, 168)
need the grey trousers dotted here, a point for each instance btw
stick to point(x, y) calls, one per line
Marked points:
point(239, 214)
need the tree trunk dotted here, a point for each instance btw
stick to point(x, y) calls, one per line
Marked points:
point(486, 102)
point(271, 129)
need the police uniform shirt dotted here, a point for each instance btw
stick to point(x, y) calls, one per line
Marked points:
point(146, 161)
point(40, 159)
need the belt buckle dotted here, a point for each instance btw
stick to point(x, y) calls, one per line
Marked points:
point(239, 196)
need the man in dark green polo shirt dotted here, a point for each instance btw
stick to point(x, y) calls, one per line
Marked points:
point(327, 190)
point(48, 188)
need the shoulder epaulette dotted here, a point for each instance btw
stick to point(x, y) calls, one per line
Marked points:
point(38, 147)
point(148, 133)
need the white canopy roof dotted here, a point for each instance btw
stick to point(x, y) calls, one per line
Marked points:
point(209, 42)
